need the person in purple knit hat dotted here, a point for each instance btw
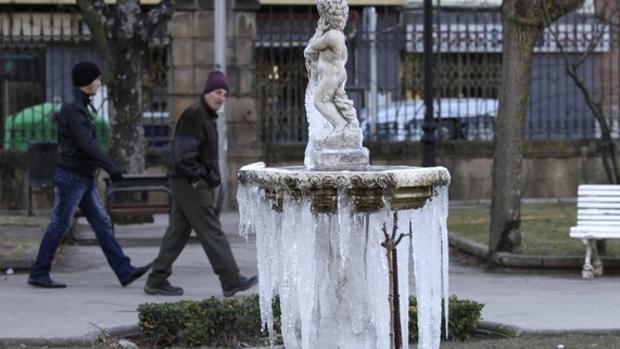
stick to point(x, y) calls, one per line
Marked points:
point(193, 174)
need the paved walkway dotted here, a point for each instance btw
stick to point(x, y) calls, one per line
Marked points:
point(95, 298)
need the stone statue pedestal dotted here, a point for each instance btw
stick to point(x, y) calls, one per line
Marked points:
point(342, 159)
point(340, 150)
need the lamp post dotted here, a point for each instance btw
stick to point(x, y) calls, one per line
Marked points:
point(429, 126)
point(219, 57)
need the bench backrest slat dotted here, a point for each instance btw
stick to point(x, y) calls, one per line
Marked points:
point(600, 223)
point(602, 187)
point(597, 217)
point(597, 199)
point(598, 205)
point(614, 205)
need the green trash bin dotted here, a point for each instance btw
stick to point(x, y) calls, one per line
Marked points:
point(37, 124)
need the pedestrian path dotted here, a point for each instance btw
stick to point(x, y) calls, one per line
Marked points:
point(94, 298)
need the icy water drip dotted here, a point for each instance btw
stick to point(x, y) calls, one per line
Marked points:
point(430, 244)
point(328, 266)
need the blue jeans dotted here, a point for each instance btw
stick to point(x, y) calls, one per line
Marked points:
point(71, 190)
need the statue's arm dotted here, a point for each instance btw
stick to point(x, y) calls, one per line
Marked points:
point(321, 43)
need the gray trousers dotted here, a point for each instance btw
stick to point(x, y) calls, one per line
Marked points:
point(194, 208)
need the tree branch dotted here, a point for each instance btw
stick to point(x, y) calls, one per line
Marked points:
point(92, 15)
point(594, 105)
point(153, 19)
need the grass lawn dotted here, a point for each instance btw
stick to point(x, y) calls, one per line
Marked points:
point(538, 342)
point(19, 238)
point(541, 342)
point(24, 221)
point(544, 229)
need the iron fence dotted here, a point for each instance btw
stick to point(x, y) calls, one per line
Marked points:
point(468, 45)
point(38, 48)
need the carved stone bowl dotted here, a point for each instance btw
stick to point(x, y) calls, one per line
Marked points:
point(402, 187)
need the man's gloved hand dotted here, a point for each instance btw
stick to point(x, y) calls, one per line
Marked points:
point(116, 177)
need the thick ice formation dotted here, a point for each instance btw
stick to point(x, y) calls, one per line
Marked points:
point(331, 275)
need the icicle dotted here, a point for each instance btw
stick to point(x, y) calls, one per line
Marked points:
point(404, 248)
point(344, 224)
point(290, 251)
point(265, 251)
point(378, 283)
point(443, 202)
point(247, 199)
point(426, 243)
point(307, 277)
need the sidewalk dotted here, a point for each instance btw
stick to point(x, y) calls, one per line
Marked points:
point(532, 303)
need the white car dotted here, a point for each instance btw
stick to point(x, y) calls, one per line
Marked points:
point(456, 118)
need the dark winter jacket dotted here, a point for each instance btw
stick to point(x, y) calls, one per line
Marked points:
point(77, 140)
point(195, 147)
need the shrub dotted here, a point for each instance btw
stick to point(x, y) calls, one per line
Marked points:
point(216, 322)
point(463, 319)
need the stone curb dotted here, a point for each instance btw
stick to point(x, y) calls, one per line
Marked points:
point(505, 259)
point(83, 341)
point(502, 330)
point(478, 202)
point(87, 340)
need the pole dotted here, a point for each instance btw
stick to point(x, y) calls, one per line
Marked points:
point(371, 17)
point(219, 44)
point(428, 139)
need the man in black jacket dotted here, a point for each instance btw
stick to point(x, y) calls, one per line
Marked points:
point(74, 182)
point(194, 173)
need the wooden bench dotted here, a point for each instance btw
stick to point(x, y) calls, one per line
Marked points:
point(598, 217)
point(133, 183)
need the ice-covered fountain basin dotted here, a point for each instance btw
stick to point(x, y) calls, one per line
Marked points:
point(402, 187)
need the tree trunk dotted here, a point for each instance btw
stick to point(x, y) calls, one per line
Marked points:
point(121, 34)
point(513, 101)
point(523, 21)
point(127, 144)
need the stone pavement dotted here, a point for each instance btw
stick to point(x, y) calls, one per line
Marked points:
point(94, 298)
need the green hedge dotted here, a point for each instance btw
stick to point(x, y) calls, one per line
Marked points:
point(215, 322)
point(464, 316)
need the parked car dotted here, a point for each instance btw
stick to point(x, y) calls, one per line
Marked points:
point(457, 118)
point(156, 128)
point(37, 123)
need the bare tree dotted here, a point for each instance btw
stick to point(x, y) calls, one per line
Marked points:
point(523, 21)
point(604, 25)
point(122, 33)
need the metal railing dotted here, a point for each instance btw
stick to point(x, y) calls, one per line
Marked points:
point(38, 48)
point(468, 44)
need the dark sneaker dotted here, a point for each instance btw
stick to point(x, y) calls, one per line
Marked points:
point(45, 283)
point(242, 285)
point(166, 290)
point(135, 274)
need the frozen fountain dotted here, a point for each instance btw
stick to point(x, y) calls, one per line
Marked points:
point(335, 237)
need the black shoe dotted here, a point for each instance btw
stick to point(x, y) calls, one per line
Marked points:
point(45, 283)
point(135, 274)
point(166, 290)
point(242, 285)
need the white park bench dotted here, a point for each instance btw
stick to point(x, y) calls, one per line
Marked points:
point(598, 217)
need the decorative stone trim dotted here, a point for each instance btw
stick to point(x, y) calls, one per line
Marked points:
point(402, 187)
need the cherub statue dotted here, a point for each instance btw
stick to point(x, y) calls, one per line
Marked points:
point(327, 52)
point(334, 136)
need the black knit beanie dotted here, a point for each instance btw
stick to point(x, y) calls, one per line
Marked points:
point(84, 73)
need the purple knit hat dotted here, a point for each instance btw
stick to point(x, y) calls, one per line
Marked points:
point(215, 80)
